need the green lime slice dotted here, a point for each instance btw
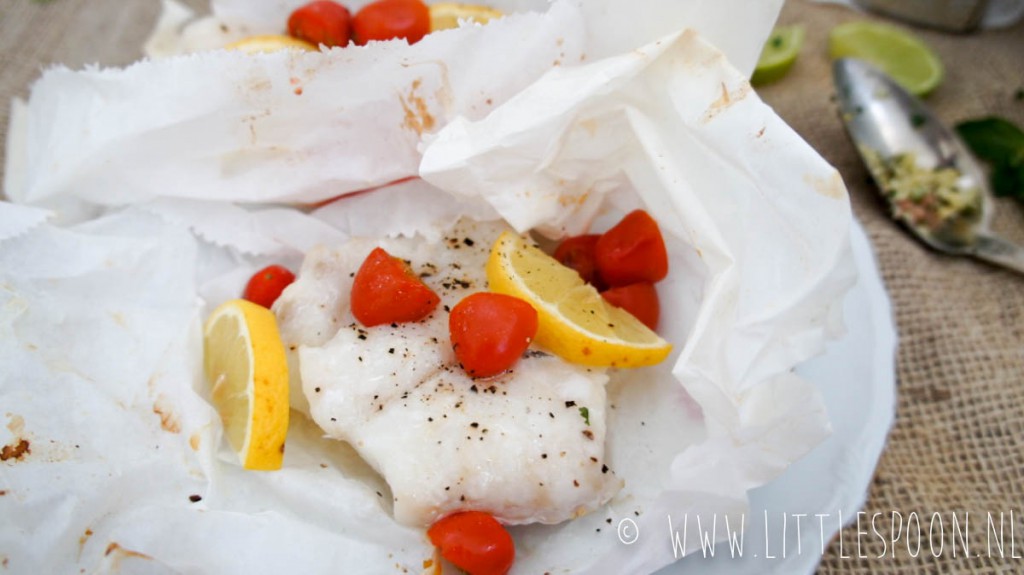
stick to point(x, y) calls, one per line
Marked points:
point(908, 60)
point(778, 54)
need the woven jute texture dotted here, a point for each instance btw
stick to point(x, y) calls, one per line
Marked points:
point(957, 446)
point(956, 451)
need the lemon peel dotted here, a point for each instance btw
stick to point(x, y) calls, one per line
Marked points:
point(574, 321)
point(270, 43)
point(446, 15)
point(244, 362)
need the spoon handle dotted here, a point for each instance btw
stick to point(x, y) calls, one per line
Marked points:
point(999, 251)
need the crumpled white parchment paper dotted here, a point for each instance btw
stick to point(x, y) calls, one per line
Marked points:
point(145, 196)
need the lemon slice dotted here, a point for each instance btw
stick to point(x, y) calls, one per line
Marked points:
point(244, 361)
point(446, 15)
point(909, 61)
point(270, 43)
point(778, 55)
point(574, 321)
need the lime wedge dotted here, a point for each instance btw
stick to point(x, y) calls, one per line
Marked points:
point(778, 54)
point(908, 60)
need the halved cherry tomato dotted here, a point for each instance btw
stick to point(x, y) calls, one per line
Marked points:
point(580, 254)
point(632, 251)
point(490, 331)
point(475, 542)
point(388, 19)
point(266, 285)
point(639, 299)
point(321, 22)
point(385, 290)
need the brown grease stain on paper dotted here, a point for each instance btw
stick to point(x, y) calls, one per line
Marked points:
point(417, 114)
point(830, 187)
point(168, 419)
point(725, 100)
point(115, 554)
point(19, 446)
point(16, 425)
point(251, 120)
point(16, 450)
point(83, 540)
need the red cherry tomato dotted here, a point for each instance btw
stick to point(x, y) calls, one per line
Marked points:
point(475, 542)
point(321, 22)
point(388, 19)
point(266, 285)
point(639, 299)
point(490, 331)
point(385, 290)
point(580, 254)
point(632, 251)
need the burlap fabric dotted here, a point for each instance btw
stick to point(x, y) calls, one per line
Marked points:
point(957, 447)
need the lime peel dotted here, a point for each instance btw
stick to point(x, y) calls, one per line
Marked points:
point(779, 54)
point(895, 51)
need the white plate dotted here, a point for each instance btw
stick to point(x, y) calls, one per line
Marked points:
point(856, 375)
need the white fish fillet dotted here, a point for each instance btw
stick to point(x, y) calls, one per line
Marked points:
point(527, 446)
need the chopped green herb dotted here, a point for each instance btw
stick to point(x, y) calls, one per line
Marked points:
point(1019, 94)
point(1001, 144)
point(918, 120)
point(929, 199)
point(585, 414)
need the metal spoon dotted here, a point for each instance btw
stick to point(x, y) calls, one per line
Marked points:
point(933, 184)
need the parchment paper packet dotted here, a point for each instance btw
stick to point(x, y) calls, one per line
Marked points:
point(124, 464)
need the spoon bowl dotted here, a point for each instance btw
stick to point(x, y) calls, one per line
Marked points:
point(933, 184)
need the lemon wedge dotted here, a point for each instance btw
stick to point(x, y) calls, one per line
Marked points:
point(244, 361)
point(445, 15)
point(270, 43)
point(574, 321)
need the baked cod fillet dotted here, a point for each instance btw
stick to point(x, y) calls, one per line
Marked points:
point(527, 446)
